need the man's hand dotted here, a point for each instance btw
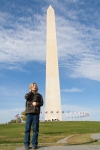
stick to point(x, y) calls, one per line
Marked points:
point(34, 103)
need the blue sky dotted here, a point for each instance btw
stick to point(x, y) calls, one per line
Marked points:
point(23, 59)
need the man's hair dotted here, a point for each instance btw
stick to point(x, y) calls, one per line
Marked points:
point(30, 86)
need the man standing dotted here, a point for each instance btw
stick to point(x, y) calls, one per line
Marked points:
point(34, 101)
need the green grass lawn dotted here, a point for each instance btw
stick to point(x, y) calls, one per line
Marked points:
point(49, 132)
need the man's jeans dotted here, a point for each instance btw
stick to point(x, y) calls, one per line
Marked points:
point(31, 120)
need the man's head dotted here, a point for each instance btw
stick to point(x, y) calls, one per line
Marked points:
point(33, 87)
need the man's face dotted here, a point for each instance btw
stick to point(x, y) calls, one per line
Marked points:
point(33, 87)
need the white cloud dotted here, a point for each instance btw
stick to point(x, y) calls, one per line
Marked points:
point(71, 111)
point(23, 43)
point(79, 50)
point(78, 42)
point(76, 108)
point(15, 90)
point(87, 69)
point(74, 89)
point(8, 115)
point(13, 66)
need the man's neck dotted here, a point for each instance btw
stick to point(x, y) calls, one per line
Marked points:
point(34, 92)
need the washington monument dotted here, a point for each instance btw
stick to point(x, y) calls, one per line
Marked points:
point(53, 101)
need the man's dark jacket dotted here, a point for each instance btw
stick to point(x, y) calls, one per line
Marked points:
point(30, 98)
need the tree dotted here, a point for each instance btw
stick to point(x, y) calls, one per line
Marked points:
point(13, 121)
point(23, 116)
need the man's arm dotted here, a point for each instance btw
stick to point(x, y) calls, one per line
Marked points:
point(39, 103)
point(28, 96)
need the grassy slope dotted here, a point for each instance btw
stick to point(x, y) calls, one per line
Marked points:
point(50, 132)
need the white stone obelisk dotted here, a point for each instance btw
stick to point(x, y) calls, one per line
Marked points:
point(53, 101)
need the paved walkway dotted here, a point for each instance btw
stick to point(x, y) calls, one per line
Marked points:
point(96, 147)
point(64, 140)
point(78, 147)
point(96, 136)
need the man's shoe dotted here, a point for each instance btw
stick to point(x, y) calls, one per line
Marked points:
point(34, 147)
point(26, 148)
